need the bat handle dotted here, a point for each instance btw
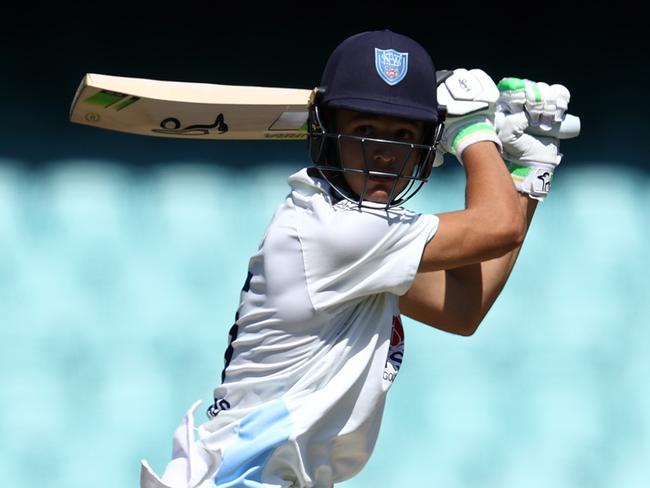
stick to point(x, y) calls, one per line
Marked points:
point(566, 129)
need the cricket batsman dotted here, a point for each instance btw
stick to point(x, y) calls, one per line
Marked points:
point(317, 339)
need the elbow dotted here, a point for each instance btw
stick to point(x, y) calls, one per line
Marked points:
point(516, 232)
point(469, 327)
point(511, 233)
point(519, 230)
point(464, 326)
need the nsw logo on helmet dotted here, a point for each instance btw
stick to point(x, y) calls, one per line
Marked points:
point(391, 65)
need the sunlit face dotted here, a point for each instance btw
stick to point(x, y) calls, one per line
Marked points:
point(380, 157)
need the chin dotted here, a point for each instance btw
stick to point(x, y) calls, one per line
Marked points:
point(377, 196)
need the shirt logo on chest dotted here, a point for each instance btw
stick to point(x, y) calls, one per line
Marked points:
point(395, 350)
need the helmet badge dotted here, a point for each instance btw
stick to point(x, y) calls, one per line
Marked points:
point(391, 65)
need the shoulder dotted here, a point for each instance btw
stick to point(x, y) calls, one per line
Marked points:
point(308, 183)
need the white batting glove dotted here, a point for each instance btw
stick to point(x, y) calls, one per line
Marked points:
point(545, 105)
point(530, 110)
point(532, 159)
point(470, 97)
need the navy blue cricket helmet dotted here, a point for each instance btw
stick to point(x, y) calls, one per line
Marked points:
point(381, 73)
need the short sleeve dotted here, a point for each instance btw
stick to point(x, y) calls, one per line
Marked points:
point(351, 253)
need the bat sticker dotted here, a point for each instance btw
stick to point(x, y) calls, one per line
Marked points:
point(289, 121)
point(171, 125)
point(110, 99)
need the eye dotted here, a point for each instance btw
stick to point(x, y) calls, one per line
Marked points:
point(405, 135)
point(363, 131)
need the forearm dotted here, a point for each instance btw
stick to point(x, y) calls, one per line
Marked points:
point(483, 282)
point(457, 299)
point(491, 224)
point(489, 187)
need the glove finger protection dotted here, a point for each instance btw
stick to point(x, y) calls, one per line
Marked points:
point(544, 104)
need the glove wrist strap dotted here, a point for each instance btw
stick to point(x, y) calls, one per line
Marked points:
point(533, 180)
point(472, 130)
point(481, 132)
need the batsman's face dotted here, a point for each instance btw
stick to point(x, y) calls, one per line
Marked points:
point(387, 162)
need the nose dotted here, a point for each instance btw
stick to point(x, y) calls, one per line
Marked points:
point(382, 155)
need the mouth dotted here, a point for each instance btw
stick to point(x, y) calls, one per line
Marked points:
point(384, 183)
point(382, 179)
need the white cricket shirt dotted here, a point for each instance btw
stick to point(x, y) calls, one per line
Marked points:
point(318, 341)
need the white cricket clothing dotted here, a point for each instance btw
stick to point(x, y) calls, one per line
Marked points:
point(317, 344)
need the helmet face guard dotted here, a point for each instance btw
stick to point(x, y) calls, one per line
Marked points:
point(332, 152)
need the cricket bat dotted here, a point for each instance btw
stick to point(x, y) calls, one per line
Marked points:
point(206, 111)
point(190, 110)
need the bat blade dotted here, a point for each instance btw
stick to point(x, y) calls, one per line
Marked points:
point(190, 110)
